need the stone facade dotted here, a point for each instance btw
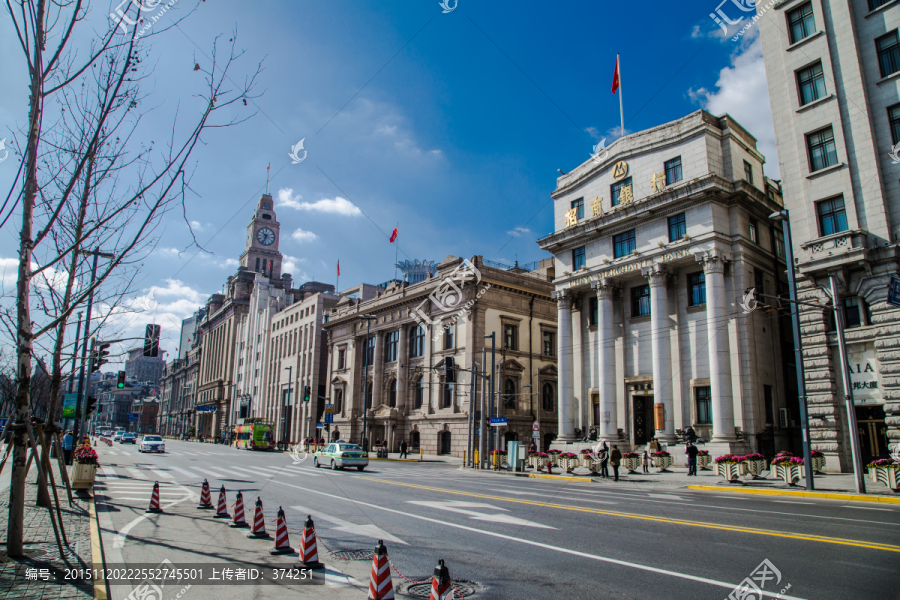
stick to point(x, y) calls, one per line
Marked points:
point(178, 394)
point(835, 135)
point(652, 338)
point(414, 329)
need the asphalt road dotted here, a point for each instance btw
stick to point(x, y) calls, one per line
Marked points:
point(514, 537)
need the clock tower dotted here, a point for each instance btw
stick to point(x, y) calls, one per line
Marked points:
point(261, 253)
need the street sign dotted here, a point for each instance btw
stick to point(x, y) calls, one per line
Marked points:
point(893, 297)
point(535, 426)
point(3, 422)
point(329, 408)
point(329, 417)
point(69, 402)
point(133, 416)
point(320, 426)
point(498, 421)
point(206, 409)
point(536, 435)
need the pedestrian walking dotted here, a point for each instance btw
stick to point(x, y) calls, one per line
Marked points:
point(645, 461)
point(604, 460)
point(403, 449)
point(691, 451)
point(67, 442)
point(533, 448)
point(615, 458)
point(690, 435)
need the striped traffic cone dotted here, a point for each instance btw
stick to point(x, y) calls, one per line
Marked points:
point(222, 511)
point(282, 544)
point(238, 520)
point(205, 504)
point(380, 585)
point(259, 522)
point(309, 554)
point(154, 499)
point(440, 583)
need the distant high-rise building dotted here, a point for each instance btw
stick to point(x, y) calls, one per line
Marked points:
point(144, 369)
point(190, 332)
point(416, 271)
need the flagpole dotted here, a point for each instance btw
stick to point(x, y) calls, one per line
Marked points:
point(621, 110)
point(396, 253)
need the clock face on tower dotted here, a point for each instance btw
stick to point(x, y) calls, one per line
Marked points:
point(265, 236)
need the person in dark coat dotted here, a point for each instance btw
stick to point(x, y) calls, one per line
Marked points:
point(691, 451)
point(403, 449)
point(690, 435)
point(604, 460)
point(614, 459)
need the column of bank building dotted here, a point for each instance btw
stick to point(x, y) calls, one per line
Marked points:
point(655, 245)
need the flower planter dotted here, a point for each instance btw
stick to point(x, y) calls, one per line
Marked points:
point(662, 462)
point(886, 475)
point(818, 463)
point(755, 466)
point(568, 464)
point(791, 474)
point(497, 459)
point(730, 471)
point(83, 475)
point(631, 463)
point(703, 461)
point(553, 457)
point(534, 461)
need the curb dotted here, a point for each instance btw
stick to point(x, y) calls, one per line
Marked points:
point(101, 589)
point(558, 477)
point(823, 495)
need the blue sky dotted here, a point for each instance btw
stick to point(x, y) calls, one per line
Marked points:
point(452, 125)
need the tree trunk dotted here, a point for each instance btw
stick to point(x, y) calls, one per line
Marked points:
point(16, 522)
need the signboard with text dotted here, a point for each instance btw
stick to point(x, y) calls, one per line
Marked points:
point(132, 417)
point(69, 402)
point(498, 421)
point(893, 297)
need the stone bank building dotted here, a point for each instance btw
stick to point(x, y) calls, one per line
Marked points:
point(655, 245)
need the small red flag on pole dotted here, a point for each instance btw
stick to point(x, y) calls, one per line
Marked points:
point(615, 85)
point(394, 236)
point(339, 268)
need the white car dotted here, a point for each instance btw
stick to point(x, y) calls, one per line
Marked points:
point(118, 436)
point(152, 443)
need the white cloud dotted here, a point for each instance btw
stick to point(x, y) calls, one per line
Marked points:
point(518, 231)
point(196, 225)
point(172, 252)
point(287, 198)
point(304, 236)
point(337, 205)
point(741, 91)
point(289, 265)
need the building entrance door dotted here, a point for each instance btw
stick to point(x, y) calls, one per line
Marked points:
point(444, 442)
point(644, 428)
point(872, 433)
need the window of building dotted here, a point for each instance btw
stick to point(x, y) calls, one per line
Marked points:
point(754, 231)
point(338, 401)
point(811, 82)
point(257, 265)
point(778, 242)
point(888, 53)
point(391, 342)
point(419, 393)
point(578, 258)
point(704, 405)
point(509, 393)
point(894, 118)
point(547, 397)
point(624, 244)
point(511, 337)
point(448, 395)
point(854, 312)
point(673, 170)
point(549, 343)
point(873, 4)
point(759, 281)
point(369, 393)
point(832, 216)
point(640, 301)
point(822, 152)
point(769, 403)
point(417, 342)
point(449, 330)
point(593, 307)
point(677, 228)
point(697, 288)
point(342, 356)
point(370, 351)
point(748, 172)
point(392, 394)
point(578, 205)
point(801, 23)
point(616, 189)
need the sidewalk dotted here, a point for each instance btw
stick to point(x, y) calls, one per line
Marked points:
point(40, 546)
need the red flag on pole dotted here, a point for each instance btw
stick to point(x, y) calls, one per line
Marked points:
point(339, 268)
point(615, 85)
point(394, 236)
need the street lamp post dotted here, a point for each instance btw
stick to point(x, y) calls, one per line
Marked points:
point(494, 408)
point(287, 407)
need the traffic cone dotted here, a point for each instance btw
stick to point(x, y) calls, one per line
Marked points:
point(440, 583)
point(204, 497)
point(238, 520)
point(282, 544)
point(222, 511)
point(259, 522)
point(309, 554)
point(380, 585)
point(154, 499)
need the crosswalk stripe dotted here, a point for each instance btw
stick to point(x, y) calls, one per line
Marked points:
point(215, 473)
point(278, 472)
point(162, 474)
point(110, 472)
point(185, 472)
point(137, 474)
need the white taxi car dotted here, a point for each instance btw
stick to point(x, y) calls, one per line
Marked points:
point(152, 443)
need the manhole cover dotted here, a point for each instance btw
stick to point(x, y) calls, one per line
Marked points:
point(354, 554)
point(29, 552)
point(463, 589)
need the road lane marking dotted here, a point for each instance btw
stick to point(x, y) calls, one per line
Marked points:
point(136, 473)
point(217, 474)
point(706, 525)
point(465, 509)
point(868, 508)
point(791, 502)
point(184, 472)
point(369, 530)
point(561, 497)
point(282, 471)
point(109, 472)
point(162, 474)
point(597, 557)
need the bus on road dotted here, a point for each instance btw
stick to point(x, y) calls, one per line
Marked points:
point(255, 434)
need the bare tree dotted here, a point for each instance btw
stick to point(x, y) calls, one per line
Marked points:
point(89, 147)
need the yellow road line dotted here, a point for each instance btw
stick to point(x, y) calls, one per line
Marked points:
point(826, 495)
point(559, 477)
point(782, 534)
point(100, 590)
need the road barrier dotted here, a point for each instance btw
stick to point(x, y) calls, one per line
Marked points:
point(440, 583)
point(154, 499)
point(238, 520)
point(282, 543)
point(205, 503)
point(259, 522)
point(309, 554)
point(222, 510)
point(380, 585)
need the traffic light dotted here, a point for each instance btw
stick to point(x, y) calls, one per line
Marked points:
point(307, 392)
point(91, 404)
point(120, 380)
point(449, 370)
point(151, 341)
point(98, 357)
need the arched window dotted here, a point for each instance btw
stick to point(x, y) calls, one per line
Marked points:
point(392, 395)
point(417, 342)
point(547, 397)
point(369, 394)
point(509, 393)
point(420, 392)
point(338, 401)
